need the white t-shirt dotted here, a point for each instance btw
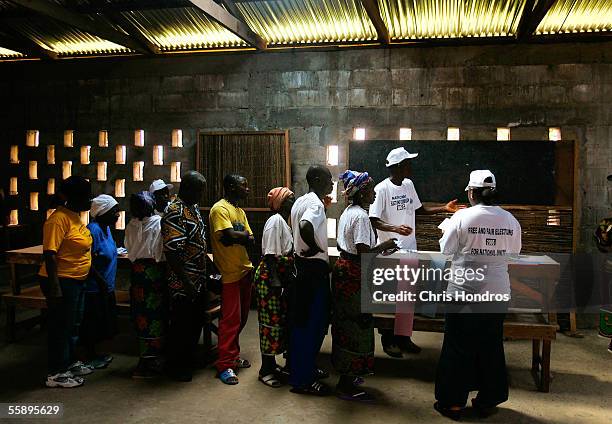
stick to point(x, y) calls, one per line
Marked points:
point(396, 205)
point(482, 238)
point(355, 228)
point(143, 239)
point(276, 239)
point(310, 208)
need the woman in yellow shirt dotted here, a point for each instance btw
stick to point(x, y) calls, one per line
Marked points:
point(67, 261)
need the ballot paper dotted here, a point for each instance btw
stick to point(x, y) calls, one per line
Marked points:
point(444, 224)
point(122, 251)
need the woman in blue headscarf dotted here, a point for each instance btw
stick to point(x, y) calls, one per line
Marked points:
point(353, 331)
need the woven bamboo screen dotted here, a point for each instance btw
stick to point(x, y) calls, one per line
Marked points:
point(545, 229)
point(261, 157)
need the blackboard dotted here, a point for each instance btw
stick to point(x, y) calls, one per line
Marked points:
point(525, 170)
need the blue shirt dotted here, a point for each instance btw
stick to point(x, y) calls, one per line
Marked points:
point(103, 257)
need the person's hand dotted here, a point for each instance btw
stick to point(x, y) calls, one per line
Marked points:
point(327, 201)
point(403, 230)
point(251, 240)
point(390, 244)
point(311, 252)
point(452, 206)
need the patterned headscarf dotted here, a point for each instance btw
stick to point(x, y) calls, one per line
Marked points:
point(277, 196)
point(142, 204)
point(354, 181)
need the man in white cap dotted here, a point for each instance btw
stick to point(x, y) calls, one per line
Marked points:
point(393, 216)
point(161, 193)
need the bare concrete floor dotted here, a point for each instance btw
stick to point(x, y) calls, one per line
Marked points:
point(580, 391)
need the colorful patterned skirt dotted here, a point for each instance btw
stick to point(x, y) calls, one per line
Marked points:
point(605, 314)
point(272, 305)
point(149, 306)
point(352, 331)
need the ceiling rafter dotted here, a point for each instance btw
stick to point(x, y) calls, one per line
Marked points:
point(230, 22)
point(81, 22)
point(24, 45)
point(117, 18)
point(532, 16)
point(371, 7)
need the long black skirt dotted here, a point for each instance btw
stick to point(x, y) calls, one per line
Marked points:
point(472, 359)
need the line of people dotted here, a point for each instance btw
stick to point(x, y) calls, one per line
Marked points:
point(167, 245)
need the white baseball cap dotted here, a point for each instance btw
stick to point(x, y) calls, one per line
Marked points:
point(398, 155)
point(478, 177)
point(159, 185)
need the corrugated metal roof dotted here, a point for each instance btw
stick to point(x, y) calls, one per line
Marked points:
point(308, 21)
point(182, 29)
point(418, 19)
point(571, 16)
point(6, 53)
point(63, 39)
point(298, 22)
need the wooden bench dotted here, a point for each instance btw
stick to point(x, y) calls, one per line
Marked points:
point(541, 335)
point(33, 298)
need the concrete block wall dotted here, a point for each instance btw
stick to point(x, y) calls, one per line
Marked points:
point(320, 96)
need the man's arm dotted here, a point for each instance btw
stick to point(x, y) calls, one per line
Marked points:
point(451, 207)
point(55, 289)
point(176, 265)
point(230, 236)
point(308, 235)
point(381, 225)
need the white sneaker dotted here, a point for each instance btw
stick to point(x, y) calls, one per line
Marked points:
point(79, 369)
point(65, 380)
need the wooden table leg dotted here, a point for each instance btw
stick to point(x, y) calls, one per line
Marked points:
point(535, 355)
point(10, 323)
point(545, 374)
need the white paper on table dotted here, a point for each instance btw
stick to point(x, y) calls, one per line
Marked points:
point(444, 224)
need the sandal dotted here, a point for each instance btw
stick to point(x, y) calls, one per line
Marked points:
point(356, 395)
point(321, 374)
point(358, 381)
point(228, 377)
point(243, 363)
point(447, 411)
point(270, 380)
point(316, 389)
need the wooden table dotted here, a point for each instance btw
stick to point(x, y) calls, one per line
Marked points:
point(32, 297)
point(542, 268)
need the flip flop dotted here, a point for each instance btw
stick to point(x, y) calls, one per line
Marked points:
point(270, 380)
point(321, 374)
point(228, 377)
point(357, 396)
point(316, 389)
point(243, 363)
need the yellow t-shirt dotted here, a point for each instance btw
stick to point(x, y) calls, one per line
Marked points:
point(232, 261)
point(65, 234)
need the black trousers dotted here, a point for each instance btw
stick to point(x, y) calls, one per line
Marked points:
point(472, 358)
point(187, 320)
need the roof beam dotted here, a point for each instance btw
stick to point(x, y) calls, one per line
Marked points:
point(26, 46)
point(371, 7)
point(53, 10)
point(233, 9)
point(230, 22)
point(532, 16)
point(117, 18)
